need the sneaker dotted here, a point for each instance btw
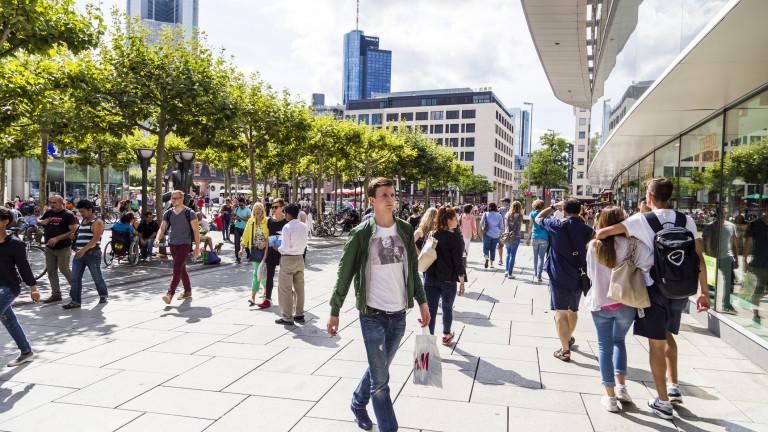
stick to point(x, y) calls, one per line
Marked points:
point(184, 296)
point(23, 358)
point(361, 418)
point(167, 299)
point(486, 263)
point(265, 304)
point(660, 408)
point(53, 299)
point(448, 339)
point(490, 264)
point(299, 319)
point(611, 404)
point(71, 305)
point(623, 395)
point(281, 321)
point(103, 300)
point(510, 276)
point(540, 280)
point(674, 394)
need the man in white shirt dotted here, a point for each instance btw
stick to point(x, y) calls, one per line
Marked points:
point(290, 288)
point(662, 320)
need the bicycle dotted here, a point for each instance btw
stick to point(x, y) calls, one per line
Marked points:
point(35, 255)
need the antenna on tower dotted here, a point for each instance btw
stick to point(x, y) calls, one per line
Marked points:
point(357, 16)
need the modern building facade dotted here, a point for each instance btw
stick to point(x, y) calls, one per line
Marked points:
point(686, 84)
point(581, 188)
point(367, 69)
point(475, 124)
point(157, 14)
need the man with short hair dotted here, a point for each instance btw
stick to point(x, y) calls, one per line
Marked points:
point(566, 260)
point(241, 215)
point(88, 255)
point(275, 225)
point(59, 226)
point(291, 278)
point(383, 293)
point(148, 228)
point(661, 321)
point(184, 231)
point(503, 212)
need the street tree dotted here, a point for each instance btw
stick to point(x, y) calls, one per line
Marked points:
point(548, 166)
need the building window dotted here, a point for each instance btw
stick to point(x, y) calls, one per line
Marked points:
point(198, 167)
point(422, 115)
point(435, 115)
point(580, 161)
point(423, 128)
point(406, 116)
point(362, 118)
point(580, 174)
point(392, 117)
point(579, 190)
point(452, 115)
point(438, 129)
point(453, 142)
point(481, 99)
point(469, 156)
point(376, 119)
point(582, 148)
point(453, 128)
point(439, 141)
point(582, 135)
point(469, 142)
point(468, 114)
point(428, 102)
point(582, 122)
point(470, 128)
point(349, 117)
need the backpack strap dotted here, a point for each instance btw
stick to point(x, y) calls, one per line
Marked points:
point(653, 221)
point(679, 220)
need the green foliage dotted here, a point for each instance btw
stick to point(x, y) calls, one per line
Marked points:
point(547, 166)
point(749, 162)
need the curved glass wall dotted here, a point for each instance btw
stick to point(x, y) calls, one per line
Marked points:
point(720, 170)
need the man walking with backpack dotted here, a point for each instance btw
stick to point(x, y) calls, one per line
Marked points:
point(384, 290)
point(677, 271)
point(566, 265)
point(184, 231)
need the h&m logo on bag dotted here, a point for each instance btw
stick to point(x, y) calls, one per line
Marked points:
point(421, 362)
point(676, 257)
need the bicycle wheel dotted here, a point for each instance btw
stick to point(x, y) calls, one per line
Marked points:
point(36, 258)
point(133, 254)
point(109, 255)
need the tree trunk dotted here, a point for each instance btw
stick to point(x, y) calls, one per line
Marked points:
point(294, 183)
point(252, 170)
point(2, 181)
point(103, 200)
point(266, 180)
point(399, 192)
point(227, 179)
point(159, 168)
point(43, 168)
point(427, 192)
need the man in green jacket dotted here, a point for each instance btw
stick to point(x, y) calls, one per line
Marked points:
point(381, 257)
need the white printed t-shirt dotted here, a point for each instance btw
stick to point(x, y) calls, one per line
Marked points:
point(386, 270)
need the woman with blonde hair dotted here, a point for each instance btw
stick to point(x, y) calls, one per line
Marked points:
point(255, 237)
point(427, 224)
point(514, 221)
point(613, 319)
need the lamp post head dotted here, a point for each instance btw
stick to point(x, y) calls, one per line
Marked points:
point(187, 155)
point(144, 154)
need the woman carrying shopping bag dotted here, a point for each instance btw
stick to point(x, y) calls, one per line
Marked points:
point(441, 277)
point(426, 225)
point(512, 235)
point(612, 318)
point(255, 239)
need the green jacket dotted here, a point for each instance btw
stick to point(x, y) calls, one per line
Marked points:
point(354, 260)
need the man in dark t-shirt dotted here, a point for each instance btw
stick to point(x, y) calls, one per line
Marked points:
point(148, 228)
point(275, 225)
point(59, 226)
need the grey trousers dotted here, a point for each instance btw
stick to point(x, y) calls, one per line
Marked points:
point(290, 288)
point(58, 260)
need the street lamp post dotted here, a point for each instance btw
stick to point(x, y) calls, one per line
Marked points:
point(144, 155)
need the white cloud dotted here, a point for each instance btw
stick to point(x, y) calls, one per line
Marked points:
point(297, 44)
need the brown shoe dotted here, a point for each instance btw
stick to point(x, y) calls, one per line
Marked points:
point(184, 296)
point(53, 298)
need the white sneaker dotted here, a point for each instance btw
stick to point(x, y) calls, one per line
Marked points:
point(662, 409)
point(609, 403)
point(623, 395)
point(674, 394)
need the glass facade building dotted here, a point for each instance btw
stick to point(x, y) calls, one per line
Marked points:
point(367, 69)
point(158, 13)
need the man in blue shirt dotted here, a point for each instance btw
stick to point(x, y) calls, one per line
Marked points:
point(241, 215)
point(568, 240)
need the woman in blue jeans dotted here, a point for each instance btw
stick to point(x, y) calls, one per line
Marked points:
point(538, 238)
point(612, 319)
point(514, 220)
point(440, 278)
point(492, 224)
point(13, 261)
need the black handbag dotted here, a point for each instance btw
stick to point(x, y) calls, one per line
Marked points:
point(584, 281)
point(256, 254)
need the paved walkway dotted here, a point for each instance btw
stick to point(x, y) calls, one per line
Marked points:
point(213, 364)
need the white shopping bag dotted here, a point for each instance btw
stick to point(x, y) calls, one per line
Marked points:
point(426, 361)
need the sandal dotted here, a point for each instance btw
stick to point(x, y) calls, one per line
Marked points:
point(563, 355)
point(571, 342)
point(448, 339)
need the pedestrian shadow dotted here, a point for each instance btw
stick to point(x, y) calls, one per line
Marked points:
point(474, 318)
point(631, 412)
point(193, 314)
point(311, 334)
point(8, 398)
point(684, 424)
point(492, 374)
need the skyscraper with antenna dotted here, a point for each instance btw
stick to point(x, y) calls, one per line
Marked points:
point(367, 69)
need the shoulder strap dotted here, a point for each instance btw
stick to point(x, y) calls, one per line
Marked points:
point(632, 247)
point(679, 219)
point(653, 221)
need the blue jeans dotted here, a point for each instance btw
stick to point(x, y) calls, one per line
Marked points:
point(489, 246)
point(382, 334)
point(10, 321)
point(539, 252)
point(612, 326)
point(146, 250)
point(511, 253)
point(92, 260)
point(436, 290)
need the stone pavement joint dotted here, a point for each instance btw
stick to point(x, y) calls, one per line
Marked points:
point(215, 364)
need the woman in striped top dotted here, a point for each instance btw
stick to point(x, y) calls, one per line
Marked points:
point(88, 255)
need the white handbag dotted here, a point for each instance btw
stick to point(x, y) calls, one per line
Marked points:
point(428, 253)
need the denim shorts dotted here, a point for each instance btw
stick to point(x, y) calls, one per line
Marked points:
point(661, 317)
point(564, 298)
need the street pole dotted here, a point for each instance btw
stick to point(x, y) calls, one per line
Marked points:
point(144, 155)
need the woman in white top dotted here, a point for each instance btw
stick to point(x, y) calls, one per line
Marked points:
point(612, 319)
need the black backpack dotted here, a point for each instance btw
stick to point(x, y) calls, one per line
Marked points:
point(675, 261)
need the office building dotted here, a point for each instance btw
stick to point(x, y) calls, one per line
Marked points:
point(474, 124)
point(157, 14)
point(367, 69)
point(579, 152)
point(684, 88)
